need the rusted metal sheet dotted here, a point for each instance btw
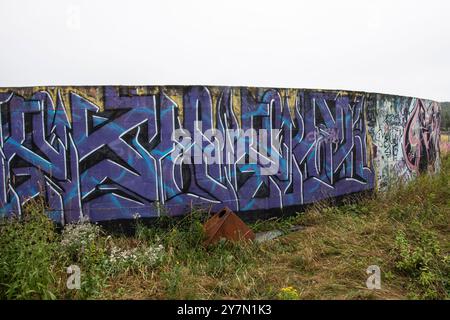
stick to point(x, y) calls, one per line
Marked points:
point(226, 224)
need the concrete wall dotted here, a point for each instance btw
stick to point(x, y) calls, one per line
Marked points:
point(107, 152)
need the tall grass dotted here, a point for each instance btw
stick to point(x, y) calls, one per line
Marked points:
point(405, 231)
point(28, 245)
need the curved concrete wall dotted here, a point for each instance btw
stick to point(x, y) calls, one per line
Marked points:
point(108, 152)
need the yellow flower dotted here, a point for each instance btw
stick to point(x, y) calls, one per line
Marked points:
point(288, 293)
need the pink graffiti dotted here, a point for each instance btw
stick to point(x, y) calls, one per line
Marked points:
point(421, 136)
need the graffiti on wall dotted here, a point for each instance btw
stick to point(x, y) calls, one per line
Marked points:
point(108, 152)
point(421, 136)
point(405, 132)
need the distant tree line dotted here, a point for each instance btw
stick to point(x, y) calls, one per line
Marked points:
point(445, 116)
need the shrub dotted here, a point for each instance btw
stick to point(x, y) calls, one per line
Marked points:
point(76, 237)
point(84, 246)
point(423, 262)
point(27, 259)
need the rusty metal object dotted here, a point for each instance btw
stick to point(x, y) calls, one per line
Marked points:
point(226, 224)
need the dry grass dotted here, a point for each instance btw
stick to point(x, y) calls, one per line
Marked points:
point(405, 231)
point(326, 260)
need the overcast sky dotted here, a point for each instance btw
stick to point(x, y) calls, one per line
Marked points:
point(390, 46)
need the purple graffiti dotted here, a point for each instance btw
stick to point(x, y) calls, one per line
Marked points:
point(106, 152)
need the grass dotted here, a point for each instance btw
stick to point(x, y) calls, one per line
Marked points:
point(404, 231)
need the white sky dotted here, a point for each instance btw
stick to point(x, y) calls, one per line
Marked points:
point(388, 46)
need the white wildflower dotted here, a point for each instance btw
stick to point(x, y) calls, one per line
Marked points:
point(134, 258)
point(136, 216)
point(78, 235)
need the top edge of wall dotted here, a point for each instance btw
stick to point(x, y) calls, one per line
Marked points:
point(169, 86)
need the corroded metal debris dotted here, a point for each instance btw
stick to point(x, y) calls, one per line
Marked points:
point(226, 225)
